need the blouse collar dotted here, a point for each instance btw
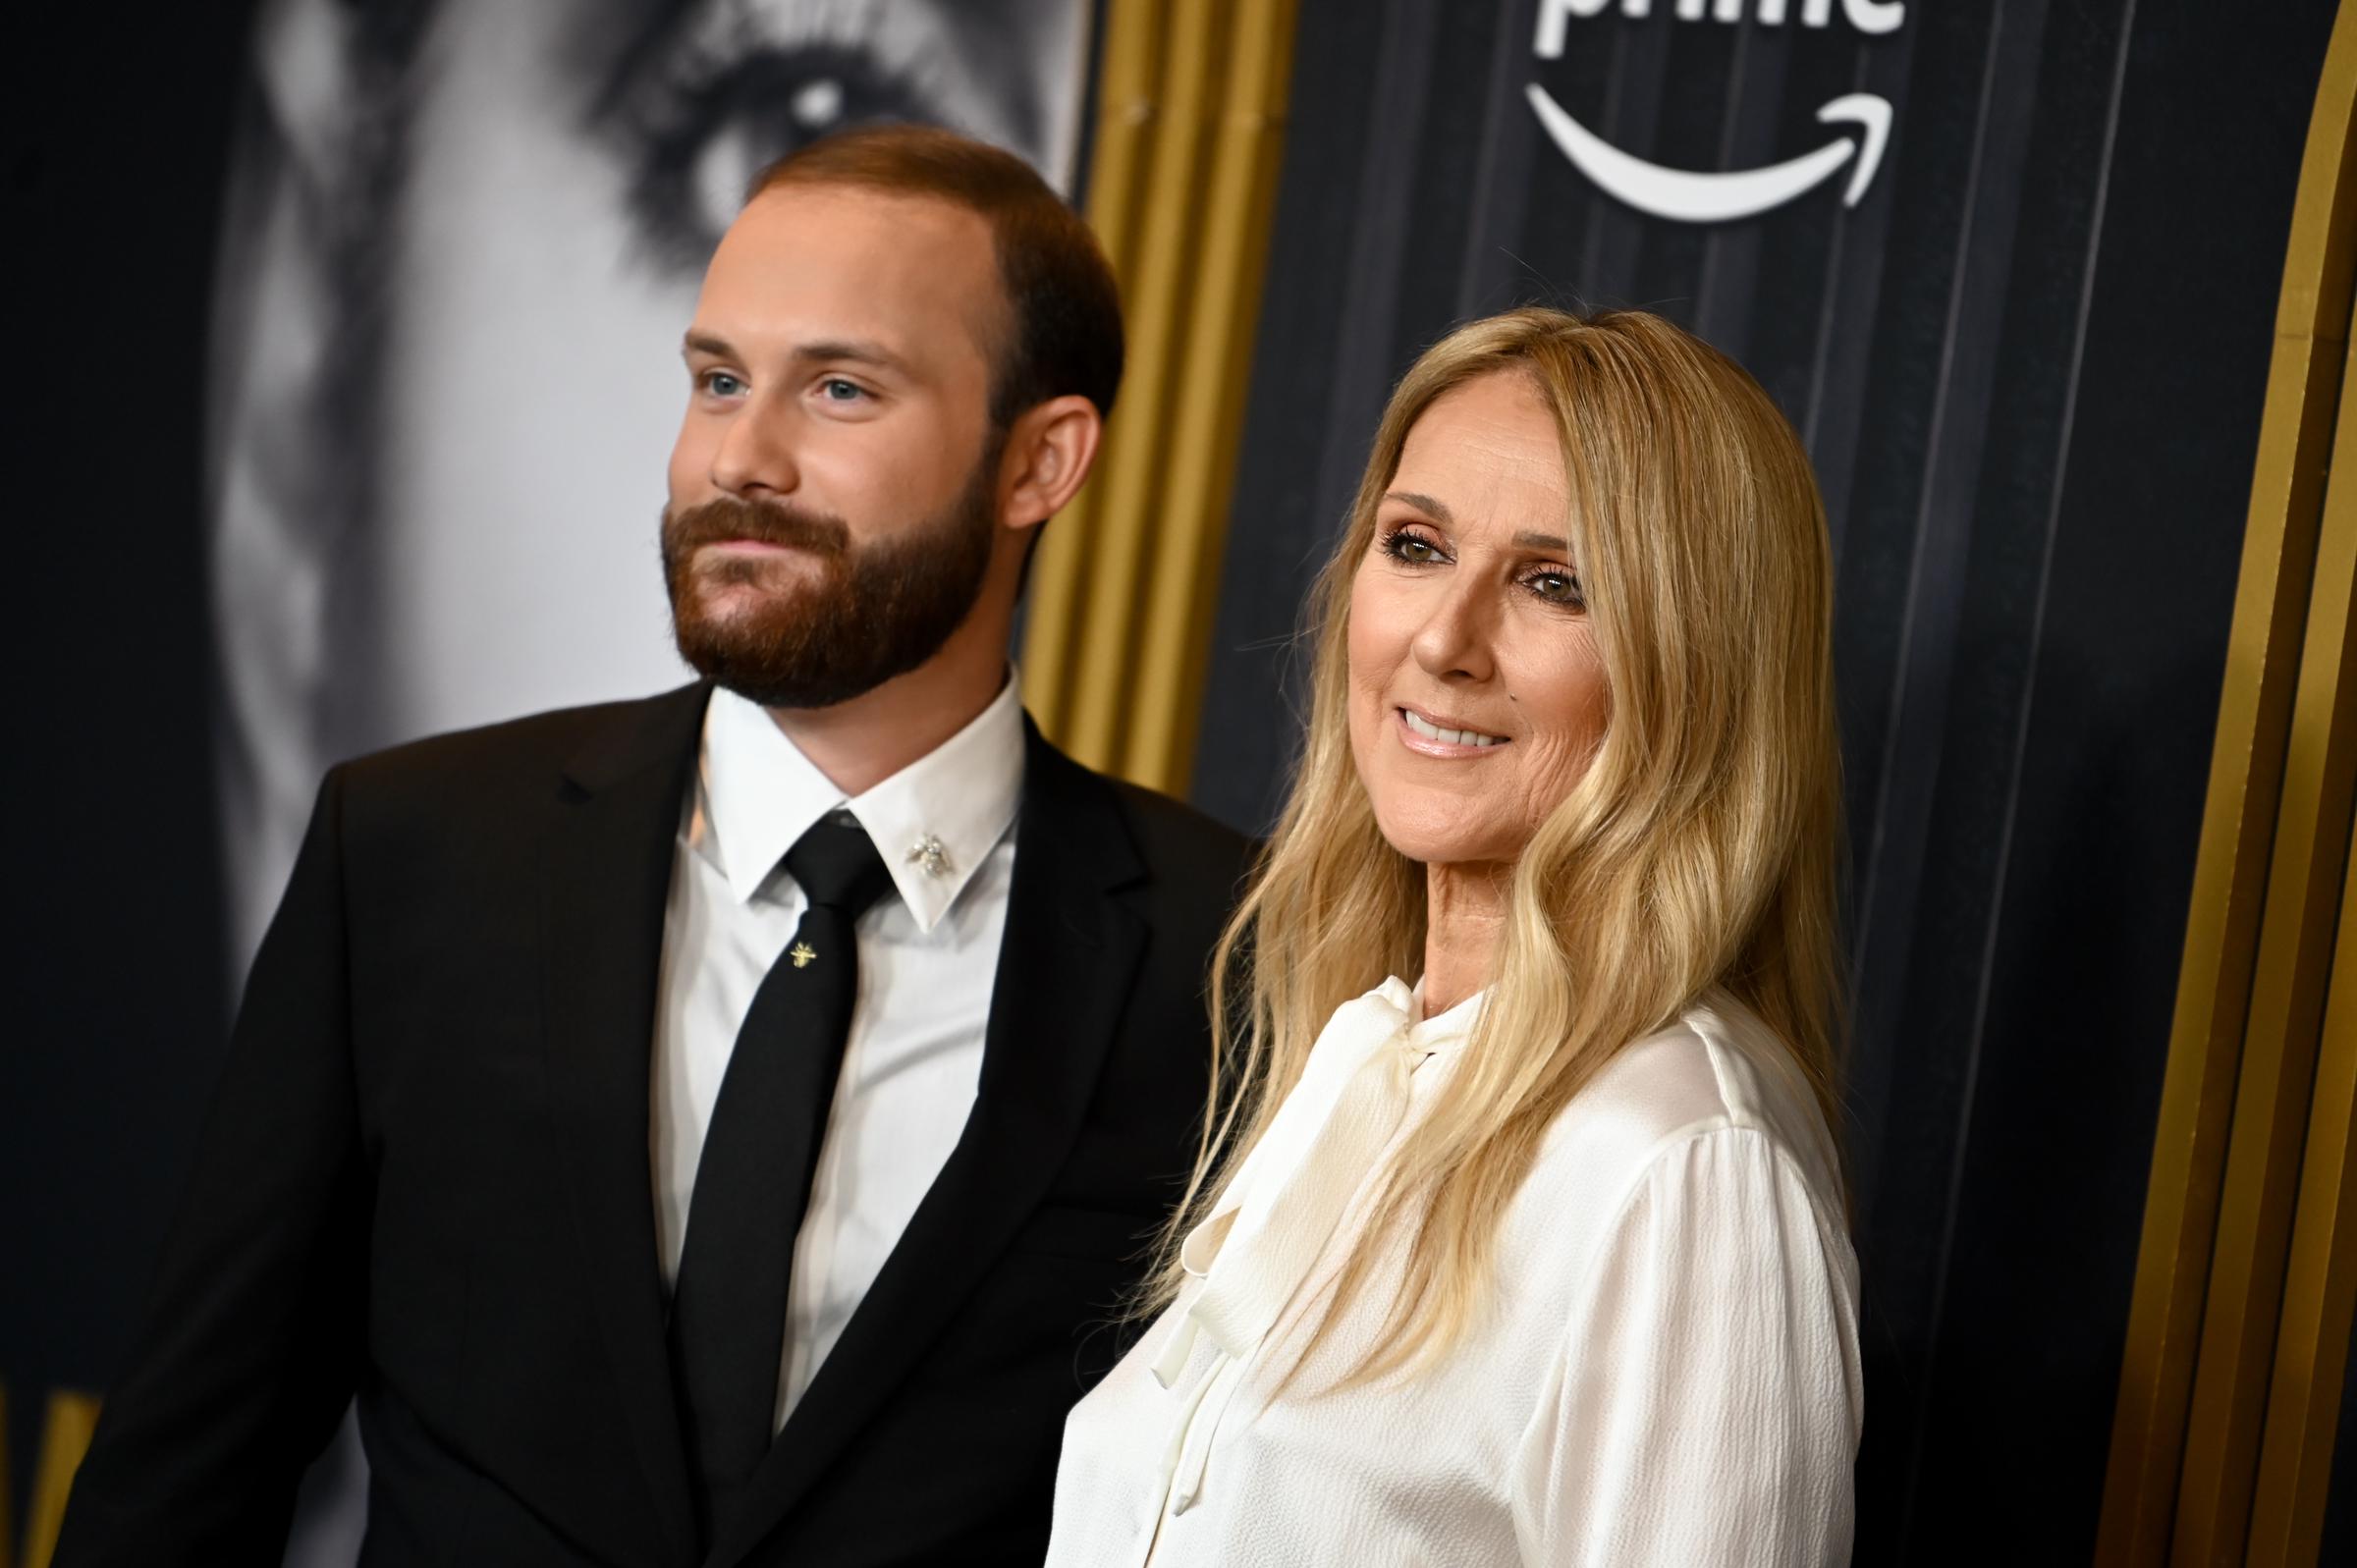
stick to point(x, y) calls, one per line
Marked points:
point(1267, 1230)
point(1442, 1031)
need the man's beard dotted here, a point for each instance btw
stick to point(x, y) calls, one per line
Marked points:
point(848, 618)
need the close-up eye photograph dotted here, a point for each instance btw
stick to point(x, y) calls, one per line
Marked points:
point(1184, 784)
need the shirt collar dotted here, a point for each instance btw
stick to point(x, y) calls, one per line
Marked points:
point(1429, 1037)
point(758, 793)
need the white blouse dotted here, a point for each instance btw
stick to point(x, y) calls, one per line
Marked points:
point(1666, 1373)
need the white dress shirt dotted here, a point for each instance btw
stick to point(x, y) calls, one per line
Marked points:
point(1666, 1372)
point(928, 953)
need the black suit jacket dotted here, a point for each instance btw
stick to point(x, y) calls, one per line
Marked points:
point(426, 1179)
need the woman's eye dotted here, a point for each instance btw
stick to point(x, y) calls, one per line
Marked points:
point(1414, 549)
point(1556, 587)
point(706, 107)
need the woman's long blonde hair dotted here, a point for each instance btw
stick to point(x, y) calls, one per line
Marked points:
point(1701, 847)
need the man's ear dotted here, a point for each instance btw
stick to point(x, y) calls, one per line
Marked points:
point(1049, 453)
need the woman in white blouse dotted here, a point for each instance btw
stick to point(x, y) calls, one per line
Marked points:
point(1544, 1259)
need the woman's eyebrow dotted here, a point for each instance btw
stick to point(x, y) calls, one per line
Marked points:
point(1553, 544)
point(1424, 503)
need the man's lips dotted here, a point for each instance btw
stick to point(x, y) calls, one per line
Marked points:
point(748, 547)
point(739, 555)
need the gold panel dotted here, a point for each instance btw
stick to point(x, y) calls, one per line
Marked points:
point(2233, 1364)
point(8, 1522)
point(1127, 581)
point(1131, 467)
point(65, 1439)
point(1128, 80)
point(1207, 431)
point(2247, 778)
point(2320, 1285)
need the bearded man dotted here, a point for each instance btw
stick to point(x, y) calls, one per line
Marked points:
point(716, 1128)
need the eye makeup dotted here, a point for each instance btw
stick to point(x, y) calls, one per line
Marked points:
point(1408, 544)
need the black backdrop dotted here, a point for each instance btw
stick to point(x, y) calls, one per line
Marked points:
point(117, 125)
point(2029, 364)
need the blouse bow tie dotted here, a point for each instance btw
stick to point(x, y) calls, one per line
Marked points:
point(1275, 1219)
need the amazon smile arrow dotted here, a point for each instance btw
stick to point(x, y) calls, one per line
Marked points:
point(1691, 198)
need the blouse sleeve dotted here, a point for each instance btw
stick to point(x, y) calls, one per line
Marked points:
point(1706, 1404)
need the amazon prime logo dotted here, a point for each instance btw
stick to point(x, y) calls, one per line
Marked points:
point(1685, 195)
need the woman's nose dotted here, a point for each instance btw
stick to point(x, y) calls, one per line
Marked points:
point(1454, 642)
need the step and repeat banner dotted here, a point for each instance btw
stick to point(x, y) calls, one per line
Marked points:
point(358, 326)
point(2011, 268)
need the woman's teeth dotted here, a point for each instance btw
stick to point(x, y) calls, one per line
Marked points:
point(1455, 737)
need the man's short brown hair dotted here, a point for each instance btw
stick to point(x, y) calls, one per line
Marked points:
point(1067, 309)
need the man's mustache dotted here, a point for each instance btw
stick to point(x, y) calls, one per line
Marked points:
point(769, 522)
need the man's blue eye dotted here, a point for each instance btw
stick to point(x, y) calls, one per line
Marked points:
point(721, 384)
point(839, 390)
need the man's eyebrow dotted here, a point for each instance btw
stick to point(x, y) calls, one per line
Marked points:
point(1424, 503)
point(858, 351)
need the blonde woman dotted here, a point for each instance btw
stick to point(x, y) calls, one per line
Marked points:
point(1543, 1259)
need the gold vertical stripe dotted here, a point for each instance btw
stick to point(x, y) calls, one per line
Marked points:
point(2238, 820)
point(2320, 1284)
point(1122, 601)
point(1181, 595)
point(1128, 82)
point(8, 1522)
point(1131, 506)
point(2279, 1054)
point(65, 1439)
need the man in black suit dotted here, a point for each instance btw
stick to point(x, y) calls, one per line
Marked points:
point(664, 1198)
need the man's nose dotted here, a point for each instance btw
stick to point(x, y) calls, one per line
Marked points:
point(755, 454)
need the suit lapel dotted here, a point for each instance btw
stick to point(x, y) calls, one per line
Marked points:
point(1066, 965)
point(609, 875)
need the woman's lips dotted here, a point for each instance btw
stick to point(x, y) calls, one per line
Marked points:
point(1435, 737)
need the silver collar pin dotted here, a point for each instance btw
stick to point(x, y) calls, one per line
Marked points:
point(931, 854)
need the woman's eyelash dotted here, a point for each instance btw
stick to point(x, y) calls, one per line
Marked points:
point(1403, 542)
point(1574, 596)
point(1396, 543)
point(709, 102)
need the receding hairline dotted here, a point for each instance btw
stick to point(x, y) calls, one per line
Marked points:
point(939, 201)
point(994, 337)
point(1063, 301)
point(825, 180)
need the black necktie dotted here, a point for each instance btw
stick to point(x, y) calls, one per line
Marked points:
point(752, 1183)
